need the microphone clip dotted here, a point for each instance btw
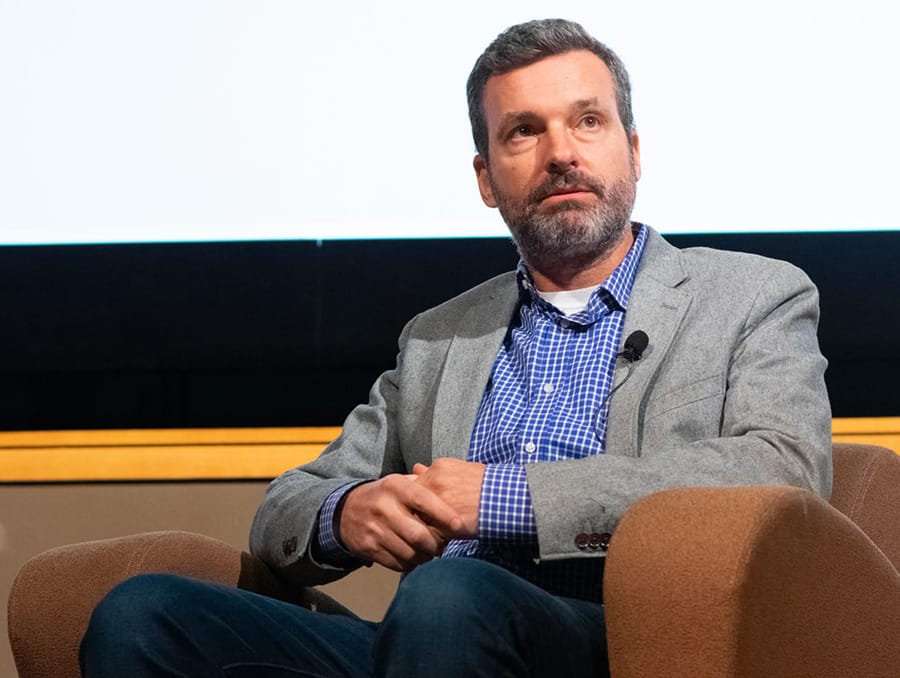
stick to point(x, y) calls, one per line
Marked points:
point(635, 345)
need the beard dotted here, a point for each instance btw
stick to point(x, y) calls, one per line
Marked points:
point(568, 233)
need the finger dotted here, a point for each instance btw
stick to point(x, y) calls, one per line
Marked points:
point(422, 538)
point(441, 542)
point(404, 533)
point(397, 554)
point(434, 511)
point(419, 469)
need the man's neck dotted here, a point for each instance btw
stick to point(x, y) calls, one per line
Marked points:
point(578, 276)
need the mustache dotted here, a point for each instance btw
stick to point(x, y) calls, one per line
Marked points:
point(573, 180)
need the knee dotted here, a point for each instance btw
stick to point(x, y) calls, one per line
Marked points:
point(137, 602)
point(132, 613)
point(132, 602)
point(451, 592)
point(452, 617)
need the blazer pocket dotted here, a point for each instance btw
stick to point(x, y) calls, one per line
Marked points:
point(711, 386)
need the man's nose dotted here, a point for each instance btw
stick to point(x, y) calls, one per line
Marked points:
point(561, 151)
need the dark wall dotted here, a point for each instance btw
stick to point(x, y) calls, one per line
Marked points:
point(293, 333)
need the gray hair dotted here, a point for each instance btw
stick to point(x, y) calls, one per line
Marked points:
point(527, 43)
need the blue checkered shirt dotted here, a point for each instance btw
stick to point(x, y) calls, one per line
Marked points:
point(546, 400)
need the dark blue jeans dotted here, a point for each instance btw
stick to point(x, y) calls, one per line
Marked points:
point(454, 617)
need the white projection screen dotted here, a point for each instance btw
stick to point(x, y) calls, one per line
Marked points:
point(194, 120)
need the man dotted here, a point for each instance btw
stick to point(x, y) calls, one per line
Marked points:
point(522, 419)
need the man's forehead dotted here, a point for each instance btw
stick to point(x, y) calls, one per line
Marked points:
point(567, 79)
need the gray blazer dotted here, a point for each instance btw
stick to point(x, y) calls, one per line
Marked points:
point(729, 391)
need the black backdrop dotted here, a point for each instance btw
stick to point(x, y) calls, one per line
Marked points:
point(293, 333)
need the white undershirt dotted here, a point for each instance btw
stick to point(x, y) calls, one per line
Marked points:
point(569, 302)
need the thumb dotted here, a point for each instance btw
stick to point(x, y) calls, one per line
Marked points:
point(419, 469)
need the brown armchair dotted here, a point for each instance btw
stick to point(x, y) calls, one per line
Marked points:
point(761, 581)
point(756, 581)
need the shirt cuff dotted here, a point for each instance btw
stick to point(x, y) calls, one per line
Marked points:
point(506, 514)
point(328, 549)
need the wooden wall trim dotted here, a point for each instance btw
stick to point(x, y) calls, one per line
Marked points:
point(158, 454)
point(873, 430)
point(228, 453)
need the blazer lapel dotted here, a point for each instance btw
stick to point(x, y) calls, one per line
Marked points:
point(657, 307)
point(468, 365)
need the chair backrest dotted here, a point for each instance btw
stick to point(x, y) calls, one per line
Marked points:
point(867, 490)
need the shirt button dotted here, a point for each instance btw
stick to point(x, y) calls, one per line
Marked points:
point(565, 324)
point(530, 447)
point(548, 388)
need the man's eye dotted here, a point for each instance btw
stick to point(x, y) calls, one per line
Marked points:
point(590, 121)
point(522, 131)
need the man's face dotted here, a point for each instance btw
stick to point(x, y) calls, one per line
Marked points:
point(561, 169)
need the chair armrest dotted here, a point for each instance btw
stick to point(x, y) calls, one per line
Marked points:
point(752, 581)
point(52, 597)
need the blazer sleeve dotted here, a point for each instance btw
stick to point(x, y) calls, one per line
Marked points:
point(738, 399)
point(390, 433)
point(367, 448)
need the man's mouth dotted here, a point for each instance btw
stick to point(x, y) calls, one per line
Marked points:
point(566, 193)
point(573, 187)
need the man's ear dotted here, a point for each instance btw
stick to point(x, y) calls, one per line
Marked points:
point(636, 154)
point(484, 182)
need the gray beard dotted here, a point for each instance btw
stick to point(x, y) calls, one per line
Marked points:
point(569, 235)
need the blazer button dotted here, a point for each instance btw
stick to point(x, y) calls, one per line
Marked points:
point(595, 541)
point(604, 541)
point(289, 546)
point(582, 540)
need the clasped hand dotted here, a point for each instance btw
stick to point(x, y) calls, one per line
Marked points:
point(401, 521)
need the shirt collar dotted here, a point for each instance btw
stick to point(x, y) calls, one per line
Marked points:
point(612, 294)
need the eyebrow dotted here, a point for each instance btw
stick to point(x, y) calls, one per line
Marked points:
point(582, 104)
point(515, 117)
